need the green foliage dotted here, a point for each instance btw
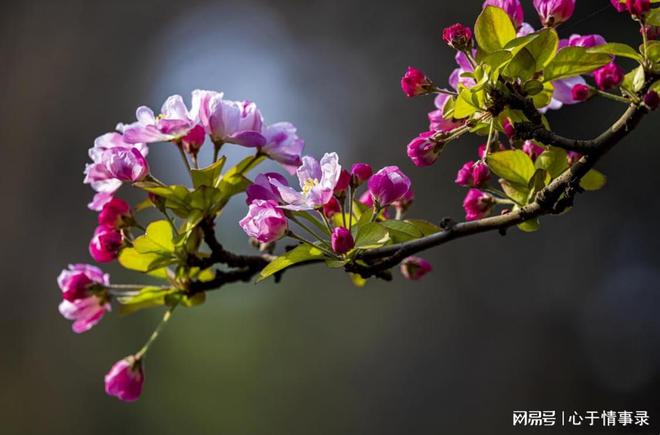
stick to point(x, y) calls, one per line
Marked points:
point(573, 61)
point(653, 17)
point(209, 176)
point(299, 254)
point(634, 80)
point(513, 165)
point(371, 235)
point(153, 250)
point(593, 180)
point(147, 297)
point(616, 49)
point(493, 29)
point(554, 160)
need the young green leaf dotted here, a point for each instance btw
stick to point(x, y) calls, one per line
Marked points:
point(544, 47)
point(554, 160)
point(573, 61)
point(512, 165)
point(653, 17)
point(299, 254)
point(148, 297)
point(402, 231)
point(371, 235)
point(593, 180)
point(209, 175)
point(493, 29)
point(616, 49)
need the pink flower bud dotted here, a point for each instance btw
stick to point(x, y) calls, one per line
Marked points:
point(423, 150)
point(477, 204)
point(620, 7)
point(414, 82)
point(458, 36)
point(652, 100)
point(331, 208)
point(512, 7)
point(572, 157)
point(585, 41)
point(609, 76)
point(388, 185)
point(264, 221)
point(554, 12)
point(366, 199)
point(341, 240)
point(343, 182)
point(414, 268)
point(194, 140)
point(638, 7)
point(114, 212)
point(472, 174)
point(580, 92)
point(125, 379)
point(85, 312)
point(76, 281)
point(361, 173)
point(509, 129)
point(532, 149)
point(105, 244)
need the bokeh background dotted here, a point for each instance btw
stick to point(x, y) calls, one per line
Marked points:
point(563, 319)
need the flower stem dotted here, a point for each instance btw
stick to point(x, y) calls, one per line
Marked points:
point(490, 139)
point(303, 240)
point(185, 159)
point(351, 198)
point(612, 96)
point(154, 335)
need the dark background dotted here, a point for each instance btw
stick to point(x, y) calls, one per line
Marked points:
point(563, 319)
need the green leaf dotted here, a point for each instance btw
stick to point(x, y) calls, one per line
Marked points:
point(357, 280)
point(512, 165)
point(147, 297)
point(544, 47)
point(653, 51)
point(653, 17)
point(517, 192)
point(493, 29)
point(634, 80)
point(616, 49)
point(208, 176)
point(132, 259)
point(299, 254)
point(523, 66)
point(159, 238)
point(425, 227)
point(402, 231)
point(593, 180)
point(464, 106)
point(234, 181)
point(530, 226)
point(573, 61)
point(497, 59)
point(533, 87)
point(371, 235)
point(536, 183)
point(544, 97)
point(554, 160)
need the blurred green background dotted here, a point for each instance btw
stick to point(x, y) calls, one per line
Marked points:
point(563, 319)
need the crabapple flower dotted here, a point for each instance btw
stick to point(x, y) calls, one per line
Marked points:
point(341, 240)
point(366, 199)
point(193, 141)
point(360, 172)
point(125, 379)
point(464, 66)
point(525, 29)
point(100, 199)
point(414, 82)
point(437, 121)
point(283, 145)
point(477, 204)
point(388, 185)
point(105, 244)
point(585, 41)
point(638, 7)
point(609, 76)
point(512, 7)
point(423, 150)
point(458, 36)
point(317, 181)
point(472, 174)
point(343, 182)
point(113, 212)
point(76, 280)
point(652, 100)
point(172, 124)
point(581, 92)
point(264, 222)
point(532, 149)
point(554, 12)
point(226, 121)
point(563, 91)
point(114, 166)
point(85, 312)
point(414, 268)
point(620, 7)
point(263, 188)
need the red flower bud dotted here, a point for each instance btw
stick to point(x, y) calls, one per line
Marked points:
point(414, 82)
point(652, 100)
point(581, 92)
point(458, 36)
point(341, 240)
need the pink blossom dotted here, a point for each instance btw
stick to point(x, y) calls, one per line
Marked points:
point(341, 240)
point(414, 82)
point(563, 91)
point(423, 150)
point(585, 41)
point(609, 76)
point(638, 7)
point(85, 312)
point(100, 199)
point(508, 128)
point(105, 244)
point(172, 124)
point(458, 36)
point(366, 199)
point(113, 212)
point(525, 29)
point(283, 145)
point(360, 172)
point(114, 166)
point(477, 204)
point(193, 141)
point(263, 188)
point(125, 379)
point(554, 12)
point(75, 281)
point(456, 78)
point(264, 221)
point(414, 268)
point(581, 92)
point(532, 149)
point(317, 183)
point(512, 7)
point(437, 120)
point(472, 174)
point(388, 185)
